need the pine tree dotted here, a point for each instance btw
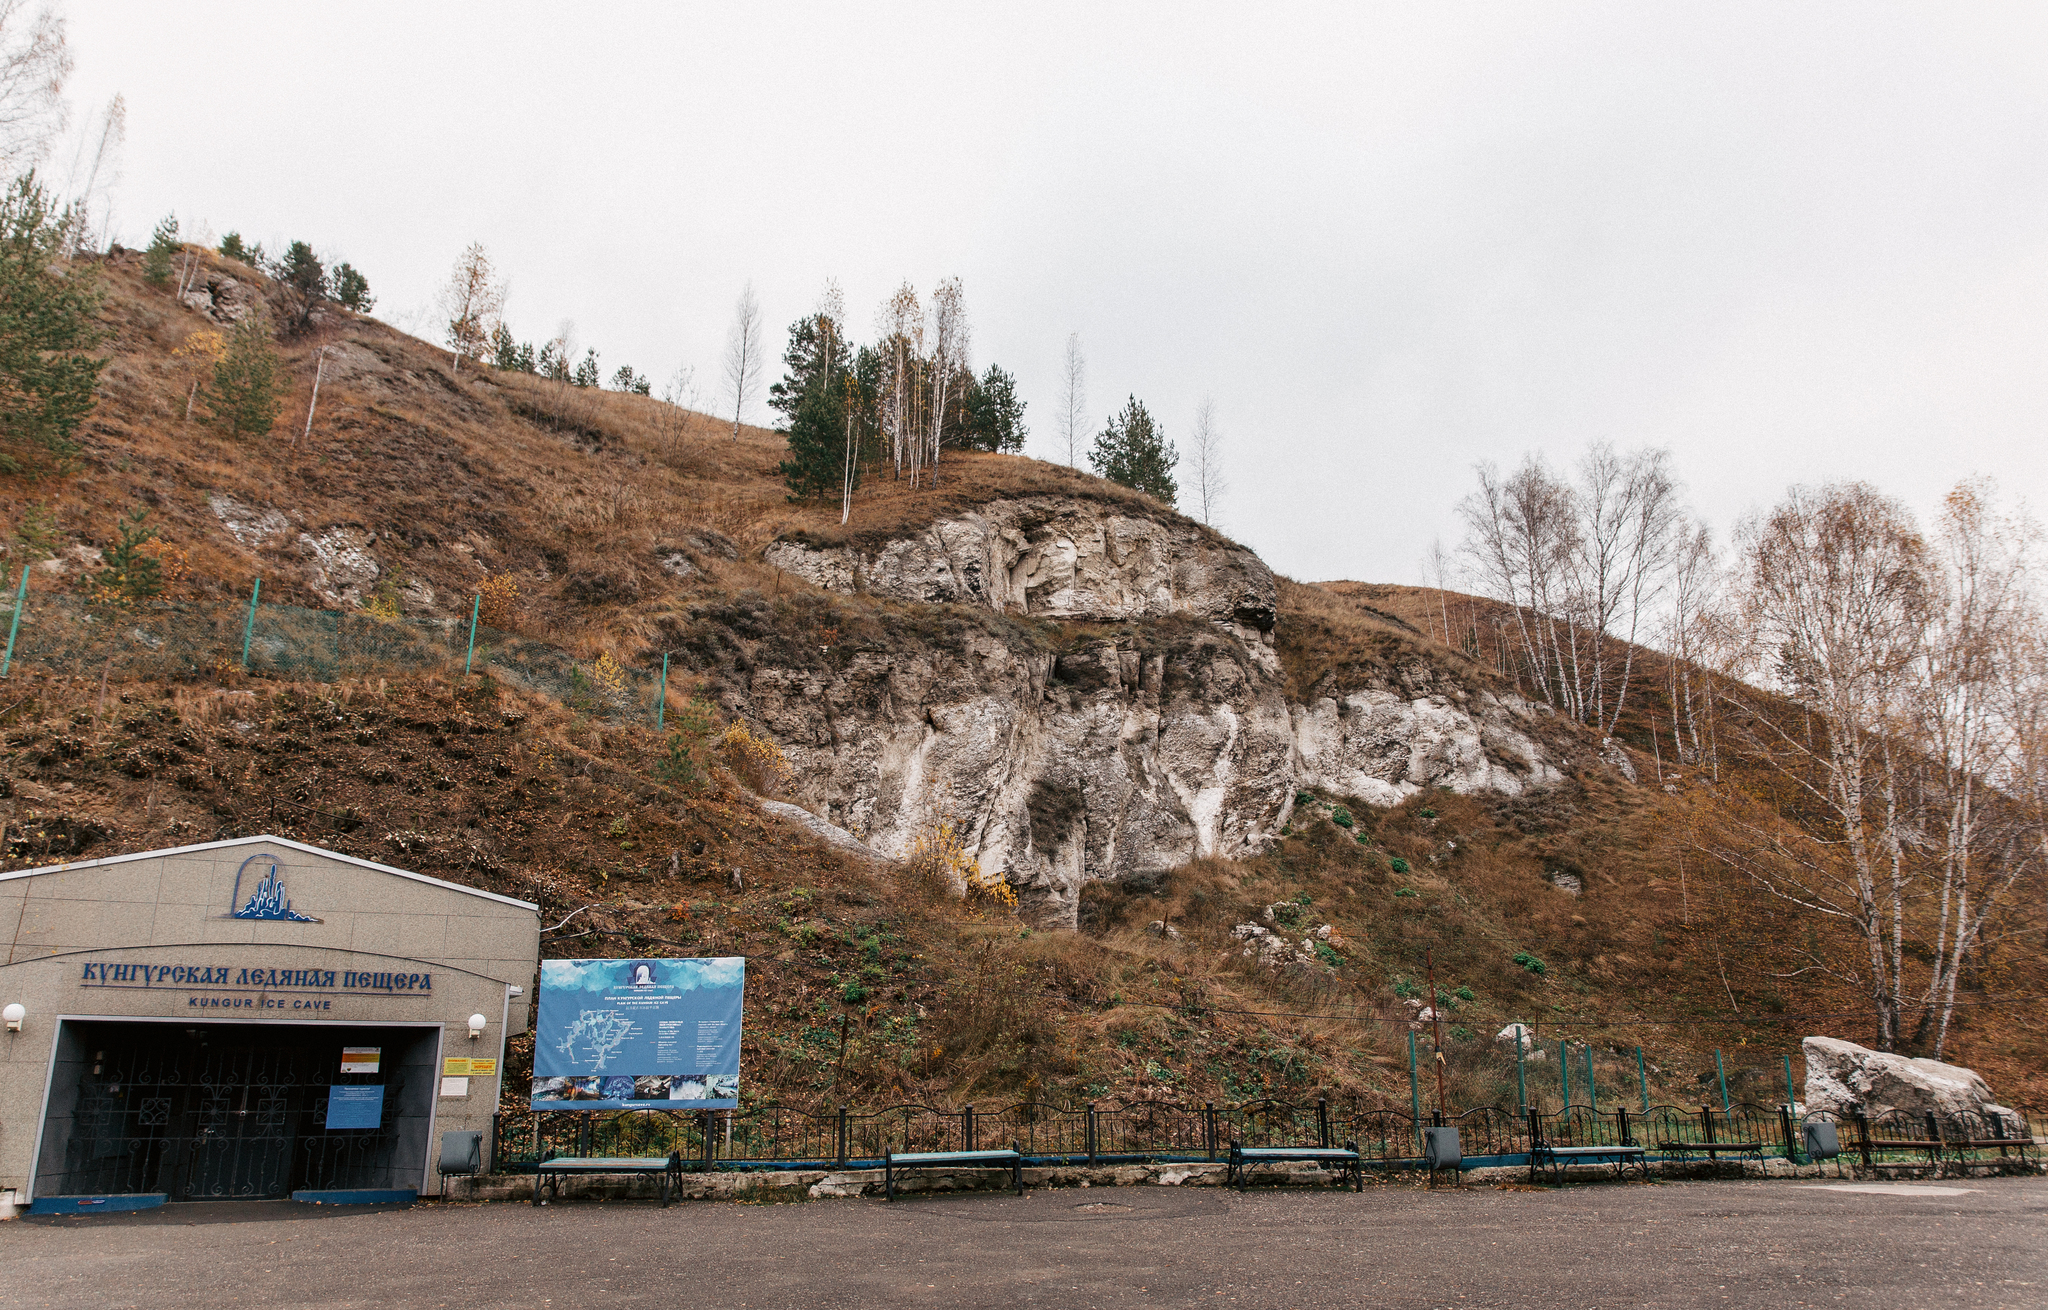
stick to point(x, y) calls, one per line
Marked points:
point(816, 467)
point(157, 259)
point(1134, 452)
point(587, 373)
point(247, 391)
point(352, 289)
point(301, 285)
point(47, 324)
point(995, 416)
point(129, 575)
point(231, 247)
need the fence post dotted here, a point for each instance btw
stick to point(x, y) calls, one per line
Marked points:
point(249, 627)
point(476, 603)
point(1790, 1099)
point(1621, 1118)
point(1209, 1127)
point(842, 1136)
point(1722, 1074)
point(1322, 1122)
point(1564, 1069)
point(661, 696)
point(14, 624)
point(967, 1128)
point(1785, 1125)
point(1522, 1066)
point(1643, 1080)
point(1934, 1137)
point(704, 1123)
point(1088, 1137)
point(1863, 1136)
point(1592, 1094)
point(1414, 1092)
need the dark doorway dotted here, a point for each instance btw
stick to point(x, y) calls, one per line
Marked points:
point(233, 1111)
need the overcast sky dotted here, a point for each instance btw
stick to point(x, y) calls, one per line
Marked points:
point(1789, 242)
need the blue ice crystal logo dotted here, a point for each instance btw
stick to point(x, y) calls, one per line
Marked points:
point(267, 900)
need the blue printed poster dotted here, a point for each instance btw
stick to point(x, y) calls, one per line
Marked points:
point(354, 1105)
point(638, 1034)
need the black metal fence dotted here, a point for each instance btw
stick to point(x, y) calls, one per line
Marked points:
point(777, 1136)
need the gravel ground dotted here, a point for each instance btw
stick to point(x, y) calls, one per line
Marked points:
point(1980, 1242)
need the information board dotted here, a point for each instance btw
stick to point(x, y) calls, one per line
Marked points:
point(638, 1034)
point(354, 1106)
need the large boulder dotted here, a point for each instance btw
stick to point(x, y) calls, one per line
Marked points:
point(1842, 1076)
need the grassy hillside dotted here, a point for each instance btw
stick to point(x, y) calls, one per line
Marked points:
point(867, 981)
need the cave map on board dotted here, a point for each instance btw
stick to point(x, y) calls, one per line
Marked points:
point(638, 1034)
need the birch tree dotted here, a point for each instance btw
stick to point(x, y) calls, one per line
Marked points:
point(950, 343)
point(1072, 415)
point(473, 300)
point(1205, 455)
point(744, 346)
point(35, 60)
point(900, 325)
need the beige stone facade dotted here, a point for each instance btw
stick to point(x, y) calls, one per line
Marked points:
point(180, 1006)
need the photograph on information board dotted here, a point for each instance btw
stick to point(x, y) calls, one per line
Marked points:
point(638, 1034)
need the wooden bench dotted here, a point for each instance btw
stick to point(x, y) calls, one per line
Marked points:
point(1560, 1158)
point(549, 1172)
point(1011, 1159)
point(1242, 1158)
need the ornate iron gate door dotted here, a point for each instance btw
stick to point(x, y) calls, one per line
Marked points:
point(245, 1113)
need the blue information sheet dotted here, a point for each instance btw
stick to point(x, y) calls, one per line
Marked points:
point(354, 1106)
point(638, 1034)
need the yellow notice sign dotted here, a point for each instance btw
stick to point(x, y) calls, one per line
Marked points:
point(456, 1066)
point(483, 1068)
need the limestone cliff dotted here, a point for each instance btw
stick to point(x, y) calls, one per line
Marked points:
point(1098, 755)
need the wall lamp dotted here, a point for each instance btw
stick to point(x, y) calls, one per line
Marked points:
point(14, 1014)
point(476, 1026)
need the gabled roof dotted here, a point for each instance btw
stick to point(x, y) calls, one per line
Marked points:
point(264, 839)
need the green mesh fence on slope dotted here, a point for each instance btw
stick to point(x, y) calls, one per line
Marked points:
point(63, 634)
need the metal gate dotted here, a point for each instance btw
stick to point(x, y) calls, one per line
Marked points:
point(222, 1120)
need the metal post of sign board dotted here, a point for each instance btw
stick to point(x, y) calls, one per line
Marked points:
point(661, 696)
point(14, 624)
point(1790, 1099)
point(474, 605)
point(1722, 1075)
point(1522, 1067)
point(1414, 1091)
point(249, 626)
point(1642, 1080)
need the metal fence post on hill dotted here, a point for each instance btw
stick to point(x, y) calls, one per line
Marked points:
point(1592, 1092)
point(249, 625)
point(1564, 1070)
point(475, 604)
point(1642, 1080)
point(1722, 1075)
point(14, 624)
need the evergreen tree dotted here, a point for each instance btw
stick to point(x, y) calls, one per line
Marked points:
point(628, 381)
point(816, 467)
point(587, 374)
point(231, 247)
point(816, 349)
point(995, 415)
point(129, 575)
point(505, 350)
point(157, 259)
point(247, 390)
point(301, 285)
point(47, 324)
point(352, 289)
point(1134, 452)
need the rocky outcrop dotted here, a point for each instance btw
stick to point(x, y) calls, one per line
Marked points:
point(1055, 557)
point(1115, 757)
point(1380, 747)
point(1842, 1077)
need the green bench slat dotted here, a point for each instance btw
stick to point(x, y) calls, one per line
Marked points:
point(598, 1164)
point(954, 1157)
point(1584, 1152)
point(1291, 1153)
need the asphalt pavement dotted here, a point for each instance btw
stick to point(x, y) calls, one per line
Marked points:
point(1954, 1245)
